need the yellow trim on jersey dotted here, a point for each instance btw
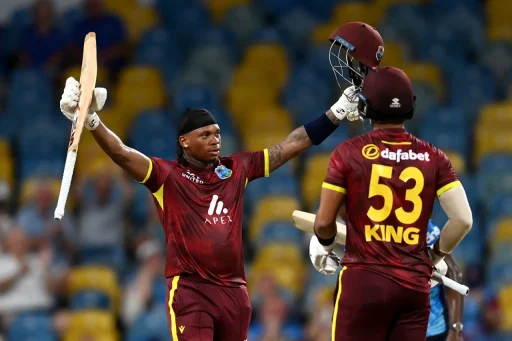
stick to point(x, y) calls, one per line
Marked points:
point(447, 187)
point(172, 314)
point(267, 162)
point(336, 305)
point(150, 169)
point(159, 195)
point(246, 182)
point(334, 188)
point(397, 143)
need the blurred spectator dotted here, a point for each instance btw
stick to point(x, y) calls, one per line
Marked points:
point(25, 280)
point(273, 319)
point(319, 325)
point(37, 220)
point(138, 294)
point(111, 38)
point(267, 286)
point(5, 216)
point(42, 42)
point(153, 227)
point(103, 205)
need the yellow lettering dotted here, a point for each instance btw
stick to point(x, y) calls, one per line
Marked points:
point(411, 236)
point(396, 234)
point(371, 233)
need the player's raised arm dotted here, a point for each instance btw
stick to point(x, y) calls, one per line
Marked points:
point(133, 162)
point(314, 132)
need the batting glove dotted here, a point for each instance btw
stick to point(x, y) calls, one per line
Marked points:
point(70, 98)
point(346, 107)
point(322, 257)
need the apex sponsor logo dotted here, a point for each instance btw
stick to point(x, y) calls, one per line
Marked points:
point(372, 152)
point(217, 212)
point(192, 177)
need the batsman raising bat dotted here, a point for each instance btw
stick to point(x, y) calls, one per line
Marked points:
point(199, 199)
point(388, 180)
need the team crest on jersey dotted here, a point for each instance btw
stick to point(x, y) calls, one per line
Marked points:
point(223, 172)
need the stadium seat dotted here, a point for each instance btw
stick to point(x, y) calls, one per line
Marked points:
point(505, 302)
point(496, 139)
point(243, 21)
point(366, 12)
point(500, 162)
point(297, 34)
point(279, 232)
point(90, 299)
point(151, 325)
point(32, 326)
point(496, 114)
point(394, 55)
point(314, 174)
point(282, 185)
point(458, 161)
point(425, 73)
point(269, 209)
point(138, 18)
point(241, 98)
point(502, 232)
point(29, 186)
point(102, 77)
point(6, 163)
point(219, 8)
point(136, 75)
point(130, 99)
point(195, 96)
point(97, 278)
point(266, 120)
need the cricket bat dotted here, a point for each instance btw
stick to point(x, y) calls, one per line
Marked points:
point(87, 84)
point(305, 221)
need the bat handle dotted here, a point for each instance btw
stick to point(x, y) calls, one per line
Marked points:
point(65, 184)
point(450, 283)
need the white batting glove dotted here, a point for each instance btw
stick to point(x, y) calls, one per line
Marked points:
point(70, 98)
point(320, 257)
point(346, 107)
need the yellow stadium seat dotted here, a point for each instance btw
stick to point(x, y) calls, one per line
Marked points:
point(100, 325)
point(242, 98)
point(6, 163)
point(288, 276)
point(269, 209)
point(279, 253)
point(492, 139)
point(314, 174)
point(256, 75)
point(496, 114)
point(505, 303)
point(393, 55)
point(321, 34)
point(499, 32)
point(102, 78)
point(266, 119)
point(503, 232)
point(119, 5)
point(498, 11)
point(425, 73)
point(131, 100)
point(138, 19)
point(94, 278)
point(219, 7)
point(141, 76)
point(387, 3)
point(366, 12)
point(458, 161)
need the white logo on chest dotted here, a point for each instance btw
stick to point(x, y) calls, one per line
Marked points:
point(192, 177)
point(217, 212)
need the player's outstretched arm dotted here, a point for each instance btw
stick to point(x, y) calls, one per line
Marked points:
point(314, 132)
point(133, 162)
point(454, 299)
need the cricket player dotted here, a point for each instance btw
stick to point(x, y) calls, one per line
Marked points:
point(446, 305)
point(199, 198)
point(388, 179)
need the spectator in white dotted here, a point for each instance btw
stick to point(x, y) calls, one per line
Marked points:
point(36, 219)
point(138, 294)
point(25, 280)
point(104, 201)
point(5, 216)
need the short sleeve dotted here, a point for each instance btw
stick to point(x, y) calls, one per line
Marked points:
point(337, 172)
point(157, 173)
point(256, 164)
point(446, 177)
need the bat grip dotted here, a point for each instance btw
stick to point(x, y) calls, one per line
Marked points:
point(450, 283)
point(65, 184)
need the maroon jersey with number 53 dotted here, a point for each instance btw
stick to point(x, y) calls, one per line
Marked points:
point(201, 213)
point(391, 179)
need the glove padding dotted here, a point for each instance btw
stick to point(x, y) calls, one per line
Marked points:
point(70, 98)
point(323, 259)
point(346, 107)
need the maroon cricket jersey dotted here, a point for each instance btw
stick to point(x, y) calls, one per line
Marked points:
point(201, 213)
point(391, 179)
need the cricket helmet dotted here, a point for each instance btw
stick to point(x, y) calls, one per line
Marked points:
point(387, 96)
point(357, 48)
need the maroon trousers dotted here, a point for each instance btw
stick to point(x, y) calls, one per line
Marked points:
point(201, 311)
point(370, 307)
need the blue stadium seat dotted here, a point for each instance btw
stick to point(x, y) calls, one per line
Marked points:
point(32, 326)
point(494, 184)
point(90, 299)
point(12, 32)
point(340, 134)
point(22, 78)
point(268, 35)
point(162, 146)
point(8, 125)
point(196, 96)
point(441, 46)
point(221, 37)
point(139, 211)
point(70, 17)
point(279, 231)
point(495, 163)
point(151, 325)
point(278, 8)
point(441, 6)
point(446, 139)
point(191, 23)
point(41, 167)
point(297, 34)
point(151, 122)
point(302, 99)
point(275, 184)
point(160, 290)
point(409, 20)
point(498, 274)
point(243, 21)
point(322, 9)
point(42, 138)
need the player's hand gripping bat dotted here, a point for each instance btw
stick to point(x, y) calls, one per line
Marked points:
point(87, 84)
point(304, 221)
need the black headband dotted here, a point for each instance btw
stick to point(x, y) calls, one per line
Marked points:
point(193, 118)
